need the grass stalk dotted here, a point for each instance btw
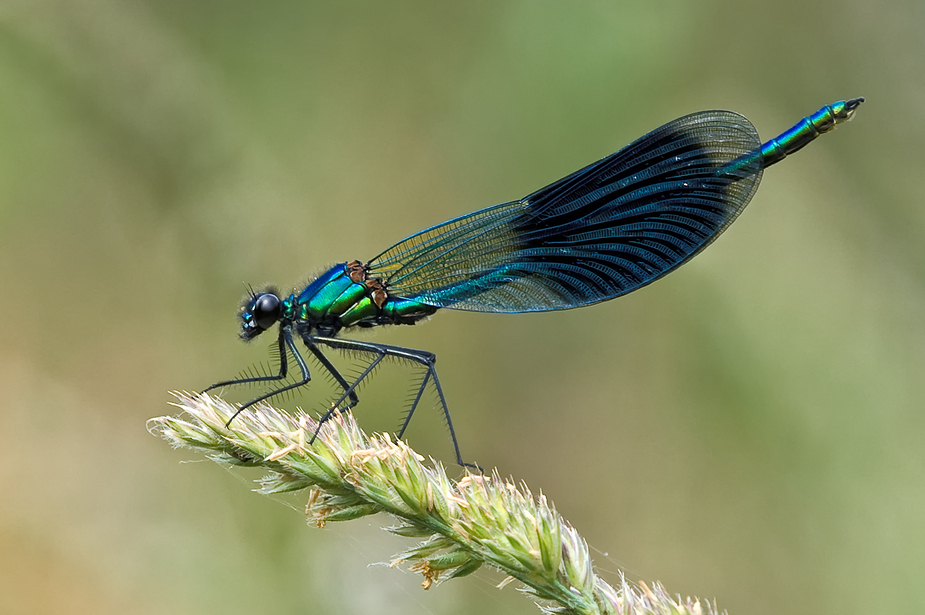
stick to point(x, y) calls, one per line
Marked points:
point(461, 525)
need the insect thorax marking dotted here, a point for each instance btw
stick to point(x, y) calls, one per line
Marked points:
point(375, 288)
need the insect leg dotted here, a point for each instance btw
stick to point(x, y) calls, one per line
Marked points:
point(285, 342)
point(283, 369)
point(326, 363)
point(349, 391)
point(422, 357)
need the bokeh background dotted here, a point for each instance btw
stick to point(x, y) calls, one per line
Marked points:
point(749, 429)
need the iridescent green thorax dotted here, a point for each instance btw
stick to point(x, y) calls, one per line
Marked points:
point(344, 296)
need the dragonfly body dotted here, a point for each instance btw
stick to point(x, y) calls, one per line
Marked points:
point(599, 233)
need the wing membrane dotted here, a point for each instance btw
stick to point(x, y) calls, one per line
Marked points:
point(601, 232)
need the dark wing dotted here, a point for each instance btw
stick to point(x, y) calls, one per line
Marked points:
point(601, 232)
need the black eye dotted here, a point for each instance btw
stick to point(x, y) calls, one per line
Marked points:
point(266, 310)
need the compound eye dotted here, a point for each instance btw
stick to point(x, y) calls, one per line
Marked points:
point(266, 310)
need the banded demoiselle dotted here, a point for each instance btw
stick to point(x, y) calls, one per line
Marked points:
point(599, 233)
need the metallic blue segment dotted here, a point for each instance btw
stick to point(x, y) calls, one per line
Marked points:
point(807, 129)
point(795, 138)
point(499, 278)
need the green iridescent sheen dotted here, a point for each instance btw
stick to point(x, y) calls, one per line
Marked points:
point(334, 296)
point(348, 299)
point(820, 122)
point(363, 310)
point(403, 309)
point(797, 137)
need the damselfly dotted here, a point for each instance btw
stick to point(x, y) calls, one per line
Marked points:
point(601, 232)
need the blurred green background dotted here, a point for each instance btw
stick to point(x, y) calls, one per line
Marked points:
point(749, 429)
